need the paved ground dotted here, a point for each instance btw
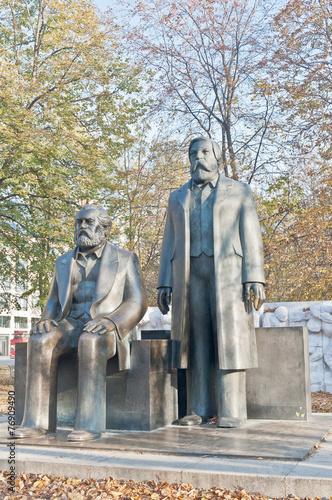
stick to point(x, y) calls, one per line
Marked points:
point(273, 458)
point(258, 439)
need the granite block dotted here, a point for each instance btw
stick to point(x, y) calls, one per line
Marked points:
point(280, 387)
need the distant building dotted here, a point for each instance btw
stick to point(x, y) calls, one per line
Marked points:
point(17, 315)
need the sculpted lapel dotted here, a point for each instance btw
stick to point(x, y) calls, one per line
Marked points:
point(223, 190)
point(107, 272)
point(183, 195)
point(64, 280)
point(108, 268)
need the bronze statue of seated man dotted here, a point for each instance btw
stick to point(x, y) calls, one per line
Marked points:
point(97, 297)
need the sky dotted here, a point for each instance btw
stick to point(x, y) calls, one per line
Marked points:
point(103, 4)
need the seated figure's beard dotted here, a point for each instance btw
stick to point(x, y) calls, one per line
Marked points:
point(87, 239)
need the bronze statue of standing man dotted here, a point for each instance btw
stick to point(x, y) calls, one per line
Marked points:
point(211, 265)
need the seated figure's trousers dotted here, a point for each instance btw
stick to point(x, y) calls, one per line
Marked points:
point(44, 349)
point(210, 391)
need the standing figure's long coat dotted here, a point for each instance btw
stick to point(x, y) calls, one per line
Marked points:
point(238, 258)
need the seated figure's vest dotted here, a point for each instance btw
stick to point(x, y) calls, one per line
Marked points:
point(83, 286)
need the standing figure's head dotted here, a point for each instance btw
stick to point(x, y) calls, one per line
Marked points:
point(205, 158)
point(92, 226)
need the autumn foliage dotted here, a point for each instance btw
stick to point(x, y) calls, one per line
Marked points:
point(257, 78)
point(58, 488)
point(101, 106)
point(67, 103)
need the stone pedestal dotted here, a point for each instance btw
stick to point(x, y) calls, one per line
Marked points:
point(145, 397)
point(280, 387)
point(142, 398)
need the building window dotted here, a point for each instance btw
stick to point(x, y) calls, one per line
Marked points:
point(6, 284)
point(4, 321)
point(34, 321)
point(20, 322)
point(35, 301)
point(6, 278)
point(21, 285)
point(21, 304)
point(21, 281)
point(4, 345)
point(4, 301)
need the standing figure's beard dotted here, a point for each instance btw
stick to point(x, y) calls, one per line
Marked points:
point(199, 164)
point(201, 171)
point(86, 239)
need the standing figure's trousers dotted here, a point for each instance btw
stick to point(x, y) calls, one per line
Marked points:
point(210, 391)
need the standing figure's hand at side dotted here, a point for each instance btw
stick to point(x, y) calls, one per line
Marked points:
point(164, 298)
point(257, 290)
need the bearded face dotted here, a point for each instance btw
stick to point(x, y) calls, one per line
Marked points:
point(89, 233)
point(86, 239)
point(203, 163)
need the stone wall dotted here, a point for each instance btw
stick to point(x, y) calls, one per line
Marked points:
point(316, 316)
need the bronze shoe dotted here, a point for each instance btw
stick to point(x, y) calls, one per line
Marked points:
point(28, 432)
point(81, 435)
point(190, 420)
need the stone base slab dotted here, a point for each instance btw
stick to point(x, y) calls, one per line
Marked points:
point(257, 439)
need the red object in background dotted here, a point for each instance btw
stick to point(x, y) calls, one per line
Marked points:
point(18, 338)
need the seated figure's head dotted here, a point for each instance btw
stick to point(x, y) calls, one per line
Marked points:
point(205, 157)
point(92, 226)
